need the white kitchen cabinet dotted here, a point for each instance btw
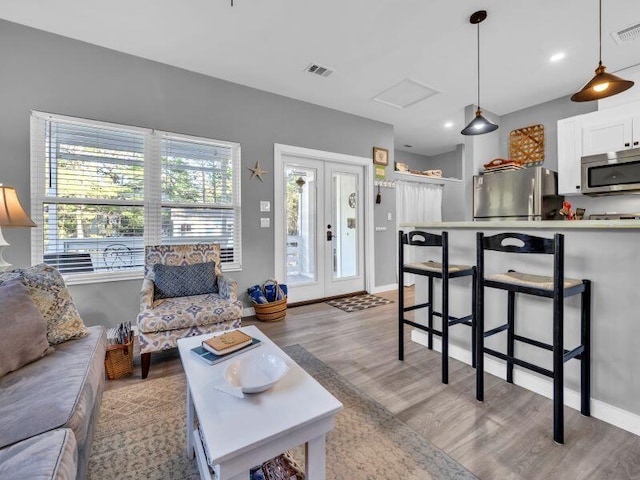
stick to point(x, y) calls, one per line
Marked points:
point(610, 130)
point(569, 153)
point(600, 135)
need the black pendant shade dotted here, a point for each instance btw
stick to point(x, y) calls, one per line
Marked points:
point(603, 84)
point(479, 125)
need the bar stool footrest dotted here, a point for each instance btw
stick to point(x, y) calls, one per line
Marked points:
point(422, 327)
point(575, 353)
point(521, 363)
point(568, 354)
point(462, 320)
point(415, 307)
point(493, 331)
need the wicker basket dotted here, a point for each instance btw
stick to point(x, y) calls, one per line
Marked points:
point(118, 362)
point(272, 311)
point(283, 467)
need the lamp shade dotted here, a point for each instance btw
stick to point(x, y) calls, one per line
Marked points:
point(479, 125)
point(11, 212)
point(602, 85)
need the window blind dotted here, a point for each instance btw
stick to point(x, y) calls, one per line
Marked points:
point(100, 192)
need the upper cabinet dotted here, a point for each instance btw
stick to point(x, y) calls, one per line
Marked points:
point(610, 130)
point(569, 153)
point(607, 135)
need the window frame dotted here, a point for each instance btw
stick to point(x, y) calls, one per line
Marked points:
point(152, 201)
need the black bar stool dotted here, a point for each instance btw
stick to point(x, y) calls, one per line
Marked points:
point(433, 270)
point(556, 287)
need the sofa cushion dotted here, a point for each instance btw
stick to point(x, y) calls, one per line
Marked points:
point(57, 391)
point(50, 456)
point(52, 298)
point(184, 280)
point(23, 337)
point(184, 312)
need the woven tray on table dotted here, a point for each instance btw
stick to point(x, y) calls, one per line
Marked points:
point(118, 361)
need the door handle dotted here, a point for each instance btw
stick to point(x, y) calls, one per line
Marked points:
point(329, 234)
point(627, 144)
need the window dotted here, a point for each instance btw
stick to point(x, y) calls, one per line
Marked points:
point(100, 192)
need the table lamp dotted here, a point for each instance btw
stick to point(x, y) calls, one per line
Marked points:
point(11, 215)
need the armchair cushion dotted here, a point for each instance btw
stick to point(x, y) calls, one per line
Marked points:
point(184, 280)
point(183, 312)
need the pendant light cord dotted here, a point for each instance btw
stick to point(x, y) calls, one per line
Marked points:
point(478, 66)
point(600, 32)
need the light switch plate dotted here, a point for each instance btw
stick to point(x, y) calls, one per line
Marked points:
point(265, 206)
point(389, 216)
point(265, 222)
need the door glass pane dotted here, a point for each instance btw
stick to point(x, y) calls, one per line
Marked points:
point(300, 185)
point(345, 225)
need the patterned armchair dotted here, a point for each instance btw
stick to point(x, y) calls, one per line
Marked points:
point(161, 322)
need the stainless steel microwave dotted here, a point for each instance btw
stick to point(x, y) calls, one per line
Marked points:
point(611, 173)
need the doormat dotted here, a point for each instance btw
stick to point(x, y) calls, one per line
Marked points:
point(359, 302)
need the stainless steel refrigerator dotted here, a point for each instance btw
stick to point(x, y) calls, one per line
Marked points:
point(527, 194)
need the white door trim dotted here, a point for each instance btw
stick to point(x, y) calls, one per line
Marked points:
point(278, 203)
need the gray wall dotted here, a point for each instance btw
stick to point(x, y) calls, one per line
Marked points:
point(547, 114)
point(415, 161)
point(46, 72)
point(449, 162)
point(453, 201)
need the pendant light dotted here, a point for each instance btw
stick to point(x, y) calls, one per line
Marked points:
point(479, 125)
point(603, 84)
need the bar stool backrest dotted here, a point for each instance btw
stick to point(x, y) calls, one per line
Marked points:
point(529, 244)
point(422, 239)
point(419, 238)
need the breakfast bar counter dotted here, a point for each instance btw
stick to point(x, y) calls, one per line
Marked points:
point(607, 252)
point(547, 225)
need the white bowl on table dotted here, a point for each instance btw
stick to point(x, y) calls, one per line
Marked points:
point(255, 373)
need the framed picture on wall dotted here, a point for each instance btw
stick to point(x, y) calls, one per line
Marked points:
point(380, 156)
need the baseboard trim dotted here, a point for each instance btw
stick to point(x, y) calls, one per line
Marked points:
point(603, 411)
point(248, 312)
point(384, 288)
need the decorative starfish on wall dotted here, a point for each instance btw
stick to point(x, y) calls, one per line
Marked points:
point(257, 171)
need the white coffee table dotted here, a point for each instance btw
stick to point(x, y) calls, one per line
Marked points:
point(234, 434)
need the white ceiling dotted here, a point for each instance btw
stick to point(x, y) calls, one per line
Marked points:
point(371, 44)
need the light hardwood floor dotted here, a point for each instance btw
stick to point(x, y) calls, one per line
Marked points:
point(508, 436)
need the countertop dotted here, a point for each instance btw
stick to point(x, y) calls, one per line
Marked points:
point(541, 225)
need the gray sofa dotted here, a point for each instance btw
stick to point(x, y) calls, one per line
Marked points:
point(49, 409)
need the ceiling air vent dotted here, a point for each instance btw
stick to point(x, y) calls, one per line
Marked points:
point(319, 70)
point(627, 34)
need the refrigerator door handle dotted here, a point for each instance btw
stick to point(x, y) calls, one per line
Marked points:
point(532, 198)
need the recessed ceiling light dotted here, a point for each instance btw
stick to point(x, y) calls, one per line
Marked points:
point(448, 125)
point(408, 146)
point(557, 57)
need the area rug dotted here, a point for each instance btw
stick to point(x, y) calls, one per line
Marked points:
point(141, 434)
point(359, 302)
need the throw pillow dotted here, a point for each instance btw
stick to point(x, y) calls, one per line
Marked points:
point(53, 299)
point(184, 280)
point(24, 329)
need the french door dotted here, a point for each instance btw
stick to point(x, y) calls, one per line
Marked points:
point(323, 248)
